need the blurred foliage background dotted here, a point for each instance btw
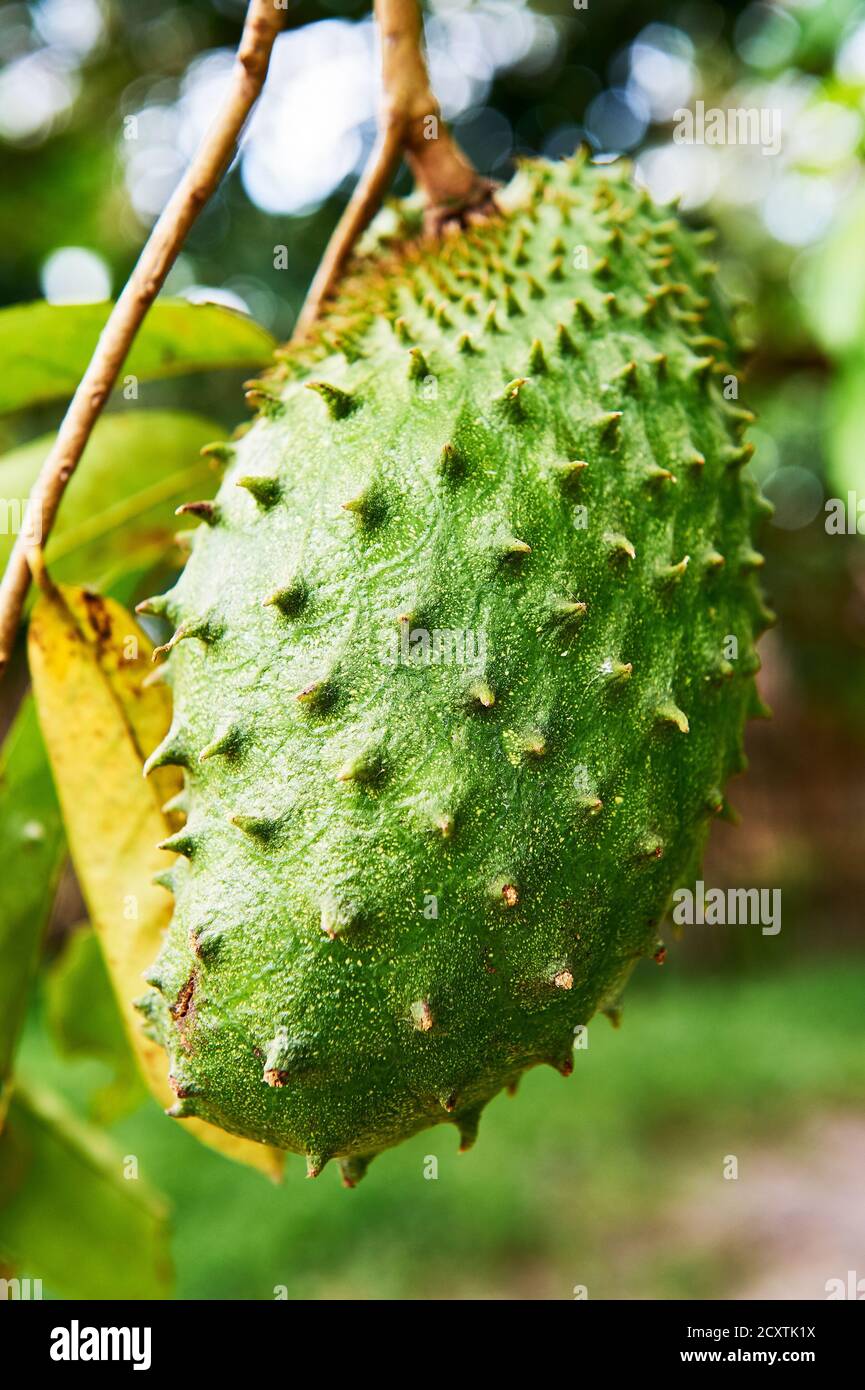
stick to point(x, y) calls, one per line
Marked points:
point(743, 1044)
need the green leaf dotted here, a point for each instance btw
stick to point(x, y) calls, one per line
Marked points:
point(71, 1213)
point(79, 976)
point(34, 848)
point(119, 507)
point(45, 348)
point(832, 283)
point(846, 415)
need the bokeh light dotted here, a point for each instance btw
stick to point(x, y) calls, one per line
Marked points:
point(74, 275)
point(78, 28)
point(36, 91)
point(797, 496)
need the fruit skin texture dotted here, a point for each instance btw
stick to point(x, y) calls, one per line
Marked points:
point(403, 881)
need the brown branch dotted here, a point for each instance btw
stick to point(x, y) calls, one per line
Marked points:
point(451, 186)
point(410, 124)
point(263, 22)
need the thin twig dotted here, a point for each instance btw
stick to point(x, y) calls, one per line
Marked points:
point(263, 22)
point(364, 203)
point(410, 124)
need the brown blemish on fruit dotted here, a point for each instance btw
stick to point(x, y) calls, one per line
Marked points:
point(182, 1004)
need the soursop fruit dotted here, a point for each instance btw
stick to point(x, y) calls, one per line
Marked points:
point(463, 655)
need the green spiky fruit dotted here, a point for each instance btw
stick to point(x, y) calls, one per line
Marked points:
point(464, 652)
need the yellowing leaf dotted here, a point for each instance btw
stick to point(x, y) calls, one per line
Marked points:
point(88, 659)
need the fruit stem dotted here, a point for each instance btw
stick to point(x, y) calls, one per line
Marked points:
point(410, 125)
point(263, 22)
